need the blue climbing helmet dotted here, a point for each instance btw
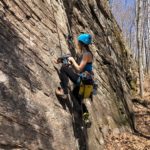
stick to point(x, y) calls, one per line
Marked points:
point(85, 38)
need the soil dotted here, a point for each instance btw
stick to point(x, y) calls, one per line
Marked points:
point(141, 139)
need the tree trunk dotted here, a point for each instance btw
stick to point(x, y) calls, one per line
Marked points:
point(148, 43)
point(139, 44)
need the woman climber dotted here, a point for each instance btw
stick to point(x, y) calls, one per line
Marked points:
point(74, 70)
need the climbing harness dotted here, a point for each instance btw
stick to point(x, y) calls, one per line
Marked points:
point(86, 82)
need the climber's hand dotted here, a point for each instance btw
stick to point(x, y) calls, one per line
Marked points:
point(71, 60)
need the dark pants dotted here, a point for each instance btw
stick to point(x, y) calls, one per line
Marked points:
point(67, 73)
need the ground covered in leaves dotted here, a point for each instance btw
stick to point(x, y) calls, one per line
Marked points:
point(140, 140)
point(127, 141)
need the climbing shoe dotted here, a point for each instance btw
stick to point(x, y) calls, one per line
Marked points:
point(86, 119)
point(60, 92)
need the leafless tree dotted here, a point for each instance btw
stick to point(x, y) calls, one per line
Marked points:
point(135, 23)
point(125, 16)
point(139, 21)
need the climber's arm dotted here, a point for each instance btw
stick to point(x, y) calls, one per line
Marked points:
point(80, 67)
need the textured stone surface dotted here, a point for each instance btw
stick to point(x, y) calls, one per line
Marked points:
point(32, 33)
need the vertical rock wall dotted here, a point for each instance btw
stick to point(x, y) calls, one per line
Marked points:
point(32, 33)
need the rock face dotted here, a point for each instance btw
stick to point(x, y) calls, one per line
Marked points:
point(32, 33)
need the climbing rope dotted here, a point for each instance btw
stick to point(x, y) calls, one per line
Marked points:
point(68, 38)
point(70, 42)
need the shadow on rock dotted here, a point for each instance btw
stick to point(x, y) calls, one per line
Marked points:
point(23, 124)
